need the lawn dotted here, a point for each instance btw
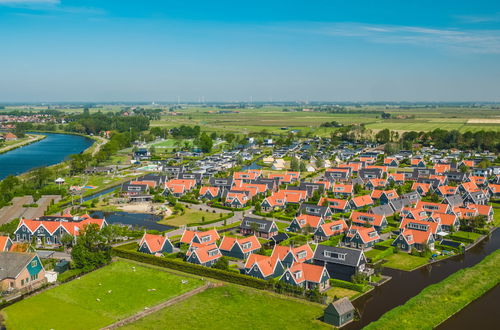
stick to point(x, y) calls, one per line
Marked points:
point(74, 305)
point(340, 293)
point(404, 261)
point(466, 234)
point(438, 302)
point(234, 307)
point(190, 216)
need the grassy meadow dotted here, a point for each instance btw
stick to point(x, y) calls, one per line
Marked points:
point(235, 307)
point(97, 299)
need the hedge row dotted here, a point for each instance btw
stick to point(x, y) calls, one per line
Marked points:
point(461, 239)
point(190, 268)
point(347, 285)
point(223, 207)
point(481, 231)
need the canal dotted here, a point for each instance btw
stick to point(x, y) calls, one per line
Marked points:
point(405, 285)
point(54, 149)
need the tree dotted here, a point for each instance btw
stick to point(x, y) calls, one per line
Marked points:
point(383, 136)
point(92, 249)
point(302, 166)
point(222, 263)
point(205, 143)
point(294, 164)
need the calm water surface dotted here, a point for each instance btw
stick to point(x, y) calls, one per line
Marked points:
point(54, 149)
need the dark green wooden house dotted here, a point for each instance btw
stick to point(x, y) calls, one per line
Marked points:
point(339, 313)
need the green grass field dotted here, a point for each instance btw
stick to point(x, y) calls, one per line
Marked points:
point(404, 261)
point(74, 305)
point(234, 307)
point(190, 216)
point(272, 119)
point(438, 302)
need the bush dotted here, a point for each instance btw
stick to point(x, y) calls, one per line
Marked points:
point(461, 239)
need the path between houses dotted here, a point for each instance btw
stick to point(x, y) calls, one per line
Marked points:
point(160, 306)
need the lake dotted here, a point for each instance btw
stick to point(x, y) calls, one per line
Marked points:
point(54, 149)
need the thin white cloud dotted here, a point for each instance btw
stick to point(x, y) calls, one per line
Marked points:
point(470, 41)
point(475, 19)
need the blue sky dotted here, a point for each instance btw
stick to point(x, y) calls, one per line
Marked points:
point(326, 50)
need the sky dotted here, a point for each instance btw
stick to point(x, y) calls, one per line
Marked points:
point(272, 50)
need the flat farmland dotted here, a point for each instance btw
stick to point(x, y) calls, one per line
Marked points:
point(273, 119)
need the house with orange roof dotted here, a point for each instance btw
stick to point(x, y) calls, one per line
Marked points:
point(10, 136)
point(200, 237)
point(431, 207)
point(425, 225)
point(418, 162)
point(353, 166)
point(210, 192)
point(239, 248)
point(442, 168)
point(483, 210)
point(291, 255)
point(369, 219)
point(343, 190)
point(307, 276)
point(204, 255)
point(247, 176)
point(155, 244)
point(421, 188)
point(360, 202)
point(444, 191)
point(50, 229)
point(448, 221)
point(5, 243)
point(410, 239)
point(304, 221)
point(368, 160)
point(398, 178)
point(361, 237)
point(330, 229)
point(263, 267)
point(385, 196)
point(468, 187)
point(336, 205)
point(282, 198)
point(494, 189)
point(282, 178)
point(468, 163)
point(376, 183)
point(179, 187)
point(391, 162)
point(237, 199)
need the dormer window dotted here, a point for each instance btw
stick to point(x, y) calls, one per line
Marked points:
point(297, 274)
point(301, 255)
point(213, 252)
point(247, 245)
point(205, 238)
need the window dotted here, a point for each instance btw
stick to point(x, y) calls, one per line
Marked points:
point(301, 255)
point(297, 274)
point(205, 238)
point(213, 252)
point(34, 263)
point(247, 245)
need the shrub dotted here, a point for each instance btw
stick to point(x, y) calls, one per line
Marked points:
point(348, 285)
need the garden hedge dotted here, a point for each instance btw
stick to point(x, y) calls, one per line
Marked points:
point(347, 285)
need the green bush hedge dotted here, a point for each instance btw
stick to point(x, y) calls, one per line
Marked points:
point(187, 200)
point(348, 285)
point(187, 267)
point(461, 239)
point(481, 231)
point(223, 207)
